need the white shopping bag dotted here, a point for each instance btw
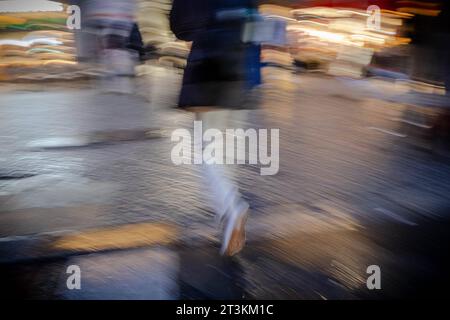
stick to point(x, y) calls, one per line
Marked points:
point(265, 31)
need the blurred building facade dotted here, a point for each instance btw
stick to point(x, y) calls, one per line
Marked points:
point(325, 35)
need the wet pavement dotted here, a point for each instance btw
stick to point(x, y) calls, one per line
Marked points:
point(355, 188)
point(301, 266)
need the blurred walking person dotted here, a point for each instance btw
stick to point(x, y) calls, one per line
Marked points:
point(114, 22)
point(220, 72)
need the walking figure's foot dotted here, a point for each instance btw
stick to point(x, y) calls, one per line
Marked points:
point(234, 232)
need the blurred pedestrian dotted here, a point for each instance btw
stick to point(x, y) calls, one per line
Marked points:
point(114, 21)
point(220, 72)
point(135, 42)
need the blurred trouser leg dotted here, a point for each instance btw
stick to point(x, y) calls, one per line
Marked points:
point(119, 65)
point(118, 62)
point(221, 191)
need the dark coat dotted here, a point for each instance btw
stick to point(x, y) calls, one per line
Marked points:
point(135, 41)
point(220, 68)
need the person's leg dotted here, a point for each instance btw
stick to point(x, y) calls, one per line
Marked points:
point(217, 178)
point(223, 194)
point(118, 62)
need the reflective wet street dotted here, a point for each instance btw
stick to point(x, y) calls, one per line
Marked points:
point(86, 179)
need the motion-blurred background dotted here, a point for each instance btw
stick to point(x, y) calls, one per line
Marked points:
point(86, 176)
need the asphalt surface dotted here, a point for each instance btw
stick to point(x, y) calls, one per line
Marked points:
point(356, 187)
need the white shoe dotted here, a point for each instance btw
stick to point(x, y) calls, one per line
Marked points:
point(234, 233)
